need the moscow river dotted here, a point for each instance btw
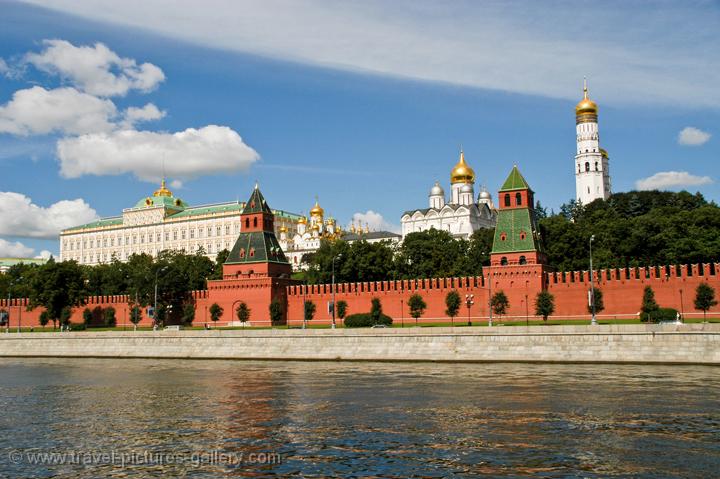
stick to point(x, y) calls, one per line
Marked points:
point(68, 418)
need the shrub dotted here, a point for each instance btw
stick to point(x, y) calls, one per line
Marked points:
point(109, 317)
point(365, 320)
point(659, 315)
point(77, 326)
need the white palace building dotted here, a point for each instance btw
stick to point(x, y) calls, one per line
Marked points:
point(161, 222)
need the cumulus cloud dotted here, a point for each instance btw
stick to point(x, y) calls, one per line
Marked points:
point(135, 115)
point(44, 254)
point(20, 217)
point(374, 221)
point(36, 111)
point(14, 249)
point(671, 179)
point(189, 153)
point(96, 69)
point(691, 136)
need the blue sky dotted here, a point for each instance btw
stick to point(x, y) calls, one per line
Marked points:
point(364, 104)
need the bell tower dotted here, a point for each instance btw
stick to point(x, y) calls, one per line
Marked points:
point(592, 169)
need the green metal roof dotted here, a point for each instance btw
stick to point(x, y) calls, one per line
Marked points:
point(256, 203)
point(513, 223)
point(515, 181)
point(7, 262)
point(166, 201)
point(210, 209)
point(263, 245)
point(112, 221)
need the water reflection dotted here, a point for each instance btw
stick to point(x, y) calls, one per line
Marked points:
point(363, 420)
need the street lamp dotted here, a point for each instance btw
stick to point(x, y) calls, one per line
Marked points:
point(592, 285)
point(469, 301)
point(333, 288)
point(682, 310)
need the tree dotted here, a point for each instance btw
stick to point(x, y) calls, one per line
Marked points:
point(216, 311)
point(649, 305)
point(499, 303)
point(375, 310)
point(342, 309)
point(109, 317)
point(705, 298)
point(598, 300)
point(243, 312)
point(452, 302)
point(217, 272)
point(57, 286)
point(45, 319)
point(135, 316)
point(417, 306)
point(544, 304)
point(309, 311)
point(276, 312)
point(188, 313)
point(65, 315)
point(87, 317)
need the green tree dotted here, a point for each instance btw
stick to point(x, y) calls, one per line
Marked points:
point(431, 254)
point(243, 312)
point(544, 304)
point(109, 317)
point(705, 298)
point(216, 311)
point(45, 319)
point(87, 317)
point(65, 315)
point(598, 299)
point(309, 311)
point(499, 303)
point(56, 286)
point(375, 310)
point(342, 309)
point(135, 316)
point(452, 303)
point(649, 306)
point(220, 258)
point(188, 313)
point(417, 306)
point(276, 312)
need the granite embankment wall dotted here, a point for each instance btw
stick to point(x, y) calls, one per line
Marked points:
point(667, 343)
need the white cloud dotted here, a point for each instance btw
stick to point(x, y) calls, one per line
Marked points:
point(691, 136)
point(3, 67)
point(20, 217)
point(671, 179)
point(44, 254)
point(176, 184)
point(374, 221)
point(95, 69)
point(39, 111)
point(135, 115)
point(515, 46)
point(14, 250)
point(190, 153)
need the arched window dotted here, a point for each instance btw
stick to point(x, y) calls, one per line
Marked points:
point(587, 166)
point(522, 260)
point(507, 199)
point(503, 261)
point(596, 168)
point(518, 199)
point(503, 236)
point(247, 223)
point(522, 235)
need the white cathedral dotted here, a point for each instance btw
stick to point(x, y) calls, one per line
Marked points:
point(592, 169)
point(461, 215)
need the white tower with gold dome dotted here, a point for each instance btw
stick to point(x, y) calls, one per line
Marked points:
point(592, 170)
point(460, 216)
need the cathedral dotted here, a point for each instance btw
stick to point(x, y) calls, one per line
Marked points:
point(460, 215)
point(592, 169)
point(308, 235)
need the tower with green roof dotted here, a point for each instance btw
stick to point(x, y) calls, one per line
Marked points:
point(516, 241)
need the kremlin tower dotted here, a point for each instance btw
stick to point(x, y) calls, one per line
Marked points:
point(592, 170)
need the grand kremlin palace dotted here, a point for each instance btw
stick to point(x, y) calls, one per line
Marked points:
point(162, 222)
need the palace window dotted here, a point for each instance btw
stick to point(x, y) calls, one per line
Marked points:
point(192, 233)
point(175, 235)
point(227, 229)
point(218, 231)
point(209, 231)
point(237, 228)
point(182, 233)
point(104, 242)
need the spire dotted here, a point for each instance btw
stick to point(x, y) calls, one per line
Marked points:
point(585, 90)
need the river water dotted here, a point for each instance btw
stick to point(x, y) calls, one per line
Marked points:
point(172, 418)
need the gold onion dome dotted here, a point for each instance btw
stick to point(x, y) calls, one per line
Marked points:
point(283, 229)
point(302, 220)
point(317, 210)
point(462, 173)
point(163, 191)
point(586, 105)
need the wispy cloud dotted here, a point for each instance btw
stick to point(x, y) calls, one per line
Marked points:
point(374, 221)
point(539, 48)
point(691, 136)
point(671, 180)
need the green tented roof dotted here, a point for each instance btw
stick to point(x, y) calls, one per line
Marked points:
point(264, 246)
point(515, 181)
point(256, 203)
point(512, 223)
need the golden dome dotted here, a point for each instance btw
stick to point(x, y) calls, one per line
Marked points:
point(316, 227)
point(317, 210)
point(302, 220)
point(586, 105)
point(462, 173)
point(162, 191)
point(283, 229)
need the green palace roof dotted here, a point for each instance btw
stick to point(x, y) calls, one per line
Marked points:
point(166, 201)
point(515, 181)
point(112, 221)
